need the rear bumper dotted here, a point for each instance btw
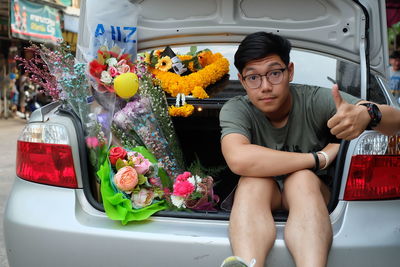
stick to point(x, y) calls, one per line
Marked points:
point(49, 226)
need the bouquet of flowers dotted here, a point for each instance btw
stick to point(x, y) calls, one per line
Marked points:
point(136, 177)
point(131, 184)
point(138, 123)
point(109, 64)
point(194, 192)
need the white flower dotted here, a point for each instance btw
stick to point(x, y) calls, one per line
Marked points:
point(195, 180)
point(142, 199)
point(178, 201)
point(112, 61)
point(106, 77)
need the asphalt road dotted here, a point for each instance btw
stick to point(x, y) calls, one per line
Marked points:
point(9, 131)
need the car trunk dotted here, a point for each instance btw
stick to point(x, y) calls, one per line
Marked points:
point(199, 138)
point(338, 28)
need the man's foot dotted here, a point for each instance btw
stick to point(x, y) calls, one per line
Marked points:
point(234, 261)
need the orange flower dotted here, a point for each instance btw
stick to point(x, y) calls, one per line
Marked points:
point(184, 57)
point(158, 52)
point(199, 92)
point(184, 111)
point(205, 58)
point(126, 179)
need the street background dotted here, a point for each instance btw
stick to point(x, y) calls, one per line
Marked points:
point(9, 131)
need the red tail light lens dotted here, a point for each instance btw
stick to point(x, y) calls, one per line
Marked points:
point(46, 163)
point(373, 177)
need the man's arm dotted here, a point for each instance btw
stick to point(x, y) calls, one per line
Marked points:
point(390, 122)
point(351, 120)
point(247, 159)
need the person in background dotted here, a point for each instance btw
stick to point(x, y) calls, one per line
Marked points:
point(395, 74)
point(23, 85)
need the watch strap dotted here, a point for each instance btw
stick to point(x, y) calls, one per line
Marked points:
point(374, 113)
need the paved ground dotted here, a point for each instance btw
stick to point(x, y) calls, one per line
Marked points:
point(9, 131)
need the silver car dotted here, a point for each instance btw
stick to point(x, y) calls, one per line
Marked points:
point(54, 216)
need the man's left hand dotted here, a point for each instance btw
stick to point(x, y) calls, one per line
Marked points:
point(350, 120)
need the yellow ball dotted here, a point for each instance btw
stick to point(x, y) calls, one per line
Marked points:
point(126, 85)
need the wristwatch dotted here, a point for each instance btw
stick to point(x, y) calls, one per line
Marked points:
point(374, 113)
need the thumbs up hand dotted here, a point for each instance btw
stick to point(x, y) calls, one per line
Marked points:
point(350, 120)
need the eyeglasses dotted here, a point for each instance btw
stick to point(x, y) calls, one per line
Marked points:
point(274, 77)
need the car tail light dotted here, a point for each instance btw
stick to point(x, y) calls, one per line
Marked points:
point(375, 168)
point(45, 156)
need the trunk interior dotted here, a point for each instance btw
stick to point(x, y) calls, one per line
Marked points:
point(199, 137)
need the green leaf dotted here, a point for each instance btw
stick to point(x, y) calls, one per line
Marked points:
point(102, 154)
point(142, 179)
point(119, 164)
point(193, 50)
point(153, 60)
point(165, 180)
point(93, 157)
point(196, 195)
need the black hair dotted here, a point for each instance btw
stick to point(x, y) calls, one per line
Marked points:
point(395, 54)
point(258, 45)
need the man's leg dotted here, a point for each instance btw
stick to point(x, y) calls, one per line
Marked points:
point(252, 227)
point(308, 232)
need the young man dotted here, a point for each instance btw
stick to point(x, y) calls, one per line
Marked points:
point(280, 132)
point(395, 74)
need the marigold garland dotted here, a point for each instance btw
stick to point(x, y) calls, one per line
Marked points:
point(174, 84)
point(198, 92)
point(183, 111)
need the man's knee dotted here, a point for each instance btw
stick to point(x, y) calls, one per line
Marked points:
point(302, 187)
point(302, 180)
point(258, 192)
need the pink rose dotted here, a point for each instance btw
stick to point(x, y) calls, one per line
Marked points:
point(92, 142)
point(155, 181)
point(183, 177)
point(116, 153)
point(183, 188)
point(113, 71)
point(123, 68)
point(143, 198)
point(126, 179)
point(142, 165)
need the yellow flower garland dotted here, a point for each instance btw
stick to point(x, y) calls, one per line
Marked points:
point(194, 83)
point(184, 111)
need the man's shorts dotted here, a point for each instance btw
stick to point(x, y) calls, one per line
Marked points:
point(227, 203)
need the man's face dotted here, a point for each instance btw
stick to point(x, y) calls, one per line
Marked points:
point(395, 62)
point(269, 98)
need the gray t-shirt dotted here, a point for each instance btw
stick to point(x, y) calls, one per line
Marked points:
point(305, 131)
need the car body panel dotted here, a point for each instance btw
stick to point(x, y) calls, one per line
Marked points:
point(73, 233)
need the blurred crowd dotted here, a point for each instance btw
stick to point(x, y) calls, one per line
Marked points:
point(394, 62)
point(19, 97)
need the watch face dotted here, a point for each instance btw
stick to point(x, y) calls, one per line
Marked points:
point(374, 113)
